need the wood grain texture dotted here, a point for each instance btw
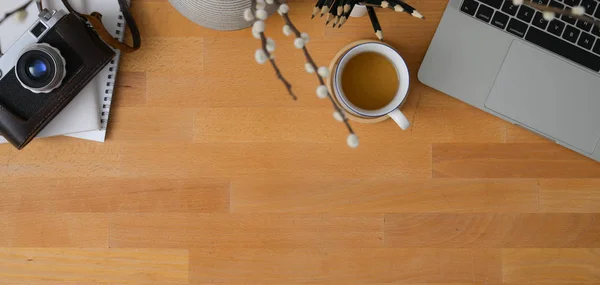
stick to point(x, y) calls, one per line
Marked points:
point(384, 195)
point(551, 266)
point(337, 266)
point(510, 160)
point(211, 174)
point(570, 195)
point(492, 230)
point(98, 265)
point(84, 230)
point(109, 195)
point(239, 231)
point(130, 90)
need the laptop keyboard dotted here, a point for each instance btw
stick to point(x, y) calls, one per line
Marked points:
point(570, 38)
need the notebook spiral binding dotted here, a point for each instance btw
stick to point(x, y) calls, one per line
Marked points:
point(110, 82)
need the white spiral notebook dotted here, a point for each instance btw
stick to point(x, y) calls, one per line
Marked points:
point(86, 117)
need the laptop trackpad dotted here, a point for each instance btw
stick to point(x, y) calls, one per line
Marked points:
point(545, 93)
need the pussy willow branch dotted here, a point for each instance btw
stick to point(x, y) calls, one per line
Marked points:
point(309, 59)
point(17, 10)
point(559, 11)
point(263, 41)
point(21, 8)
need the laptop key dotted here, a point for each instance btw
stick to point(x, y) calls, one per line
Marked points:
point(500, 20)
point(586, 41)
point(597, 47)
point(596, 30)
point(525, 13)
point(556, 4)
point(469, 7)
point(563, 48)
point(597, 14)
point(572, 2)
point(568, 19)
point(484, 13)
point(541, 2)
point(494, 3)
point(590, 6)
point(509, 8)
point(556, 27)
point(516, 27)
point(584, 25)
point(538, 21)
point(571, 34)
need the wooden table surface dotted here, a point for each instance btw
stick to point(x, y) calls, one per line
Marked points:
point(211, 174)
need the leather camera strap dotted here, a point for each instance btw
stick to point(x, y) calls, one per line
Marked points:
point(95, 19)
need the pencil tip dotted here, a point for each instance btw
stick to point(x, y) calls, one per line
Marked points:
point(379, 35)
point(416, 13)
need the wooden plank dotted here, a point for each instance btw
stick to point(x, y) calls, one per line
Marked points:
point(258, 124)
point(26, 195)
point(130, 90)
point(492, 230)
point(64, 157)
point(165, 55)
point(384, 195)
point(131, 266)
point(335, 282)
point(236, 231)
point(6, 152)
point(551, 266)
point(570, 195)
point(293, 124)
point(223, 91)
point(487, 266)
point(262, 160)
point(510, 161)
point(517, 134)
point(167, 124)
point(333, 266)
point(114, 195)
point(316, 124)
point(53, 230)
point(456, 125)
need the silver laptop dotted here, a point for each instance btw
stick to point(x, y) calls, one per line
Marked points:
point(510, 62)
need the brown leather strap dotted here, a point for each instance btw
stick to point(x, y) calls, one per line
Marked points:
point(95, 19)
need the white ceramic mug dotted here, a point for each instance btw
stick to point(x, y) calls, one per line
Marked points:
point(392, 109)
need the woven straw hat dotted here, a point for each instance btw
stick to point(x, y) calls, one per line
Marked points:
point(225, 15)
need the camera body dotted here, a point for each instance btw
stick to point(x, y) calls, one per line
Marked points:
point(44, 70)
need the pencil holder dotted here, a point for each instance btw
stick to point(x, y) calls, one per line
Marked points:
point(224, 15)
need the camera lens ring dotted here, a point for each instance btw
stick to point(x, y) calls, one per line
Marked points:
point(40, 68)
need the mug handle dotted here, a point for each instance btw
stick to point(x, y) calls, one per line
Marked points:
point(400, 119)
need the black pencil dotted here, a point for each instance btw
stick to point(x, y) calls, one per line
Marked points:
point(326, 7)
point(340, 7)
point(317, 8)
point(400, 6)
point(340, 12)
point(375, 22)
point(396, 5)
point(332, 12)
point(346, 15)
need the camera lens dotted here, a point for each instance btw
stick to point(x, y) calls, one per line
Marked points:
point(40, 68)
point(37, 69)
